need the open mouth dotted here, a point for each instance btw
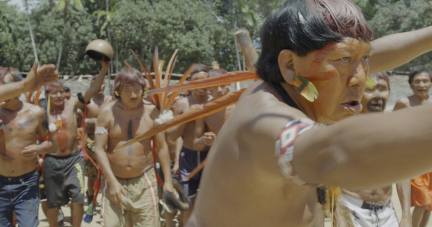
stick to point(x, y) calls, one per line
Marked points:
point(353, 106)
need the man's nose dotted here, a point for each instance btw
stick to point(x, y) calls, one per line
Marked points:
point(358, 77)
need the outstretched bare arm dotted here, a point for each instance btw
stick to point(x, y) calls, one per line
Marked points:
point(395, 50)
point(365, 151)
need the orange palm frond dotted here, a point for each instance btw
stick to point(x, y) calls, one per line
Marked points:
point(158, 76)
point(36, 99)
point(127, 64)
point(169, 68)
point(227, 78)
point(181, 81)
point(145, 70)
point(208, 109)
point(171, 71)
point(167, 78)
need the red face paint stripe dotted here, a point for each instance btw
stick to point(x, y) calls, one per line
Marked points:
point(313, 73)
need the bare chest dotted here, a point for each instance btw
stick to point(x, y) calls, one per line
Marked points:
point(22, 125)
point(125, 128)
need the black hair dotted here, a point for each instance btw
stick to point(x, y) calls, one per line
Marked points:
point(303, 26)
point(416, 70)
point(67, 89)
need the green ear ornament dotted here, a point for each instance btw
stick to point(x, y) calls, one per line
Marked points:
point(306, 88)
point(116, 93)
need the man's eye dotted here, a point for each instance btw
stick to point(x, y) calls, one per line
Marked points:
point(365, 58)
point(345, 59)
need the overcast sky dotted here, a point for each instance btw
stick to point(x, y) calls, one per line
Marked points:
point(20, 3)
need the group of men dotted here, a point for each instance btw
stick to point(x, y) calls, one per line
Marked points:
point(267, 165)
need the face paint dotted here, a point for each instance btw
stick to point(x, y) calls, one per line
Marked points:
point(313, 73)
point(377, 103)
point(62, 134)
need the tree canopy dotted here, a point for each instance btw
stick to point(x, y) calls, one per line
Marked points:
point(202, 30)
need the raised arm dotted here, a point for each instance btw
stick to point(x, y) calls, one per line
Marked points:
point(101, 141)
point(36, 78)
point(92, 90)
point(395, 50)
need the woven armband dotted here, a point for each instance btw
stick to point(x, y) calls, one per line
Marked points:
point(101, 130)
point(285, 147)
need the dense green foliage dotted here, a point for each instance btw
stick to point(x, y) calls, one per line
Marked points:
point(202, 30)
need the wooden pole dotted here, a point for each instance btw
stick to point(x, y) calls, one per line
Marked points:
point(248, 49)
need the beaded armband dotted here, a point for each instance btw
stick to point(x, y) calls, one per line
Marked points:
point(101, 130)
point(285, 147)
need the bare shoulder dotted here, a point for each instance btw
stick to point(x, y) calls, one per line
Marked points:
point(106, 113)
point(152, 110)
point(181, 105)
point(37, 111)
point(262, 115)
point(402, 103)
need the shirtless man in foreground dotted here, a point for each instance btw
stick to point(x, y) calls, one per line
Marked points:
point(420, 81)
point(189, 158)
point(261, 172)
point(23, 124)
point(373, 207)
point(63, 167)
point(93, 109)
point(130, 184)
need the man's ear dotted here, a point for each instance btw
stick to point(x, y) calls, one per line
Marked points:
point(286, 65)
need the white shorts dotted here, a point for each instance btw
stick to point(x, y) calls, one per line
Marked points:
point(385, 217)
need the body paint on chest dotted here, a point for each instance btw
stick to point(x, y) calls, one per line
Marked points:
point(313, 73)
point(27, 123)
point(130, 137)
point(6, 129)
point(62, 137)
point(7, 156)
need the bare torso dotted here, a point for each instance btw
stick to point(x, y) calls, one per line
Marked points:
point(242, 184)
point(189, 128)
point(379, 195)
point(124, 125)
point(413, 101)
point(215, 121)
point(65, 139)
point(19, 129)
